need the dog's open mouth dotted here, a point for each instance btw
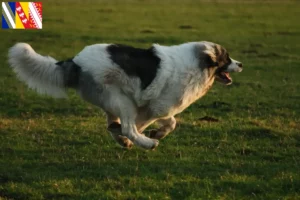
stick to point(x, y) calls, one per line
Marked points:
point(223, 77)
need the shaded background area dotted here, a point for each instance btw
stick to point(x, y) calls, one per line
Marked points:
point(59, 148)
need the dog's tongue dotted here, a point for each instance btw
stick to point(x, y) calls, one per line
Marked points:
point(224, 77)
point(226, 74)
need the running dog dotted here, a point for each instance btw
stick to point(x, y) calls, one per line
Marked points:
point(135, 87)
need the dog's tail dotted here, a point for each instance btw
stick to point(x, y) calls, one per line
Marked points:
point(42, 73)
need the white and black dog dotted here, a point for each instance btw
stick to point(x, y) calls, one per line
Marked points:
point(135, 87)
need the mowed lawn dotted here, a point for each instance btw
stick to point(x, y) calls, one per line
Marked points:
point(60, 149)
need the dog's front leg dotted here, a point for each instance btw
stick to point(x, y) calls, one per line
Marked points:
point(128, 112)
point(130, 131)
point(114, 128)
point(168, 125)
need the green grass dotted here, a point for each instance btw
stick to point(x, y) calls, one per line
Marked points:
point(60, 149)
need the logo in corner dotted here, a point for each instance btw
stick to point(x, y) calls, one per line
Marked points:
point(21, 15)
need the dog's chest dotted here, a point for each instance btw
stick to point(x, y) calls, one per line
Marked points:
point(191, 94)
point(184, 98)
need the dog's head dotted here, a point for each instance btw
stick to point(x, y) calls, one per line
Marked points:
point(216, 59)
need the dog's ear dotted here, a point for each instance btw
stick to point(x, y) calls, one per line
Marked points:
point(209, 59)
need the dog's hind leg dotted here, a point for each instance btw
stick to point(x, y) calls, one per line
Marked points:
point(168, 125)
point(114, 128)
point(142, 125)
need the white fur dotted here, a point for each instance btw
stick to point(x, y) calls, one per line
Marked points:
point(234, 66)
point(39, 72)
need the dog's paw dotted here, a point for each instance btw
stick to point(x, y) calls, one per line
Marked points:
point(115, 131)
point(156, 143)
point(124, 142)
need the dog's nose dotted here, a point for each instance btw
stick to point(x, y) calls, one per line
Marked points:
point(240, 64)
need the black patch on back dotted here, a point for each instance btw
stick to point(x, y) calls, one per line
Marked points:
point(71, 72)
point(142, 63)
